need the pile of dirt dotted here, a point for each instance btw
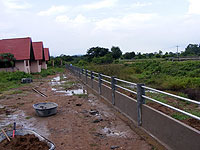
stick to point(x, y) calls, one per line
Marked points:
point(26, 142)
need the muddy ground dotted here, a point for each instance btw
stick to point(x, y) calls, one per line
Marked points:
point(83, 121)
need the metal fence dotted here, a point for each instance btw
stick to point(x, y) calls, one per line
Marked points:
point(139, 90)
point(168, 130)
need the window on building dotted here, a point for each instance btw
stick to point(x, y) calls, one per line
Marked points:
point(40, 62)
point(26, 62)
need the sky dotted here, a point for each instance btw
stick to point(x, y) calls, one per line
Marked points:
point(71, 27)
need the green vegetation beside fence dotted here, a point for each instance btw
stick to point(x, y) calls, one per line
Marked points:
point(164, 75)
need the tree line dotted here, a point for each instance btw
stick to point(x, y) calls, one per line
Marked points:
point(100, 55)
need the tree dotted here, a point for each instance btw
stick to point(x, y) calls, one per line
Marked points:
point(129, 55)
point(97, 52)
point(66, 58)
point(160, 52)
point(116, 52)
point(7, 60)
point(103, 60)
point(192, 50)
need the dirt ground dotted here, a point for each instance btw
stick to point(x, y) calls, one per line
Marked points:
point(83, 121)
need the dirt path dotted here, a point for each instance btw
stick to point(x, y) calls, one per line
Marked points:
point(83, 122)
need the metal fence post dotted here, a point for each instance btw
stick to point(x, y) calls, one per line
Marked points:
point(140, 101)
point(86, 73)
point(113, 82)
point(82, 72)
point(79, 72)
point(92, 77)
point(100, 81)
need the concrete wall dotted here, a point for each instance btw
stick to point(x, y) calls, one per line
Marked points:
point(21, 65)
point(44, 64)
point(126, 105)
point(171, 132)
point(106, 92)
point(35, 67)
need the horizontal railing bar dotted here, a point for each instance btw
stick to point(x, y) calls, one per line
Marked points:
point(176, 109)
point(126, 81)
point(96, 73)
point(126, 89)
point(106, 81)
point(176, 96)
point(96, 77)
point(106, 76)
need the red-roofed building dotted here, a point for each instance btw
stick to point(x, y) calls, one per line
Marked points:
point(22, 50)
point(46, 58)
point(36, 65)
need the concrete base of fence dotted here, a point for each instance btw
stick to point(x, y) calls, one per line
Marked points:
point(170, 132)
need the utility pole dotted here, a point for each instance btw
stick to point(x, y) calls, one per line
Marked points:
point(177, 52)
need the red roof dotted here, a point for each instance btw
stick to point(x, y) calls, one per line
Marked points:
point(38, 50)
point(46, 54)
point(19, 47)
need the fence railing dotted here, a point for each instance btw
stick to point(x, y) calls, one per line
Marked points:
point(137, 89)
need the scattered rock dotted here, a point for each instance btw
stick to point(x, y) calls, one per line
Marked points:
point(114, 147)
point(78, 104)
point(94, 112)
point(2, 107)
point(98, 120)
point(99, 135)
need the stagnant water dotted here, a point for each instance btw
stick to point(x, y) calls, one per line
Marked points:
point(57, 81)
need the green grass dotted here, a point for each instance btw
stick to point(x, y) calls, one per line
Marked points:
point(28, 117)
point(180, 116)
point(13, 92)
point(81, 95)
point(68, 84)
point(12, 80)
point(158, 97)
point(160, 74)
point(195, 112)
point(50, 71)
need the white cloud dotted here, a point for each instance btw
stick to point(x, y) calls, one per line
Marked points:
point(100, 4)
point(128, 21)
point(53, 10)
point(62, 19)
point(139, 4)
point(81, 19)
point(78, 20)
point(16, 4)
point(194, 7)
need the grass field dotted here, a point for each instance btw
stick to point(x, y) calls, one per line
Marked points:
point(164, 75)
point(10, 80)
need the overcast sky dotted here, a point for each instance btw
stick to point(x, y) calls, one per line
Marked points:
point(71, 27)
